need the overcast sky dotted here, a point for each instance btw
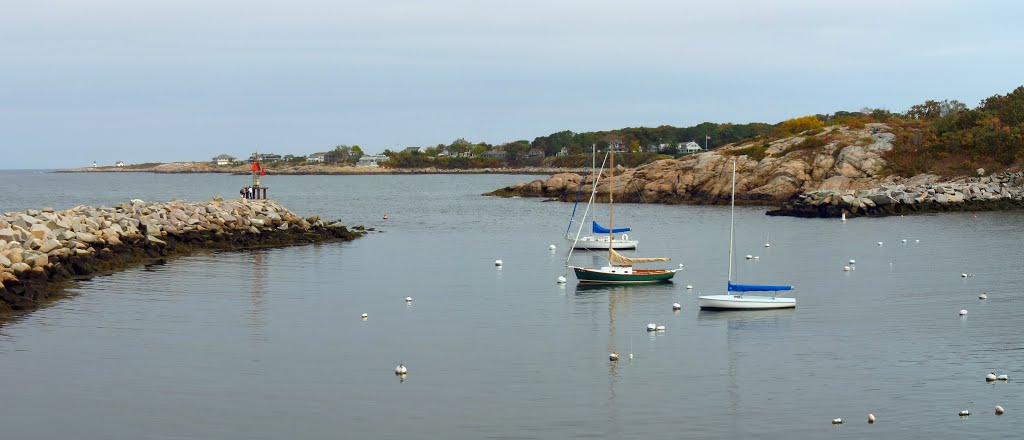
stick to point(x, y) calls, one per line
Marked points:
point(148, 81)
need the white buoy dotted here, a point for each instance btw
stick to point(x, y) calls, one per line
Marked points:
point(408, 299)
point(681, 265)
point(903, 240)
point(497, 262)
point(917, 241)
point(964, 413)
point(1003, 377)
point(757, 257)
point(561, 279)
point(767, 245)
point(676, 306)
point(990, 377)
point(963, 275)
point(846, 268)
point(401, 369)
point(631, 356)
point(853, 261)
point(652, 327)
point(844, 217)
point(613, 357)
point(660, 328)
point(879, 243)
point(365, 316)
point(689, 287)
point(999, 410)
point(750, 257)
point(837, 421)
point(871, 418)
point(552, 247)
point(963, 312)
point(983, 296)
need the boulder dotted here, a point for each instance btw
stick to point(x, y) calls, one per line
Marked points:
point(49, 245)
point(20, 267)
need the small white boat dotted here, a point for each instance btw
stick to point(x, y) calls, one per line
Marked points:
point(745, 302)
point(600, 242)
point(736, 297)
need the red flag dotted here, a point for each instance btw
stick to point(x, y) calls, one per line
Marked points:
point(255, 166)
point(263, 171)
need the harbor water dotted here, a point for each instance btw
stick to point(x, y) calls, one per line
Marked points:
point(269, 344)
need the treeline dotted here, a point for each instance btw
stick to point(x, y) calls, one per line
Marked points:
point(950, 139)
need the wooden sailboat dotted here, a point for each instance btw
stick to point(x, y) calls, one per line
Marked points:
point(735, 297)
point(620, 268)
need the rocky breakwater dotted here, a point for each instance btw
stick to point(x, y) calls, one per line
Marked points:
point(921, 194)
point(768, 171)
point(41, 248)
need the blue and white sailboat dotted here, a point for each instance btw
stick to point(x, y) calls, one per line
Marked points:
point(600, 237)
point(736, 297)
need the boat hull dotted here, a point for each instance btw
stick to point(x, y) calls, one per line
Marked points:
point(590, 275)
point(601, 243)
point(744, 302)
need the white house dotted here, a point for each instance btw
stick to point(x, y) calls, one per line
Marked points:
point(689, 147)
point(224, 159)
point(371, 160)
point(119, 163)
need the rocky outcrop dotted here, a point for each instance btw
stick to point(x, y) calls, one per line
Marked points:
point(40, 248)
point(836, 158)
point(922, 194)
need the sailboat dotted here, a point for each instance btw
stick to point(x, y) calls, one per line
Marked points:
point(735, 297)
point(599, 237)
point(623, 271)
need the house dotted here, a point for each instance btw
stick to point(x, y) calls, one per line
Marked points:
point(619, 148)
point(265, 157)
point(412, 150)
point(293, 158)
point(495, 154)
point(323, 157)
point(119, 163)
point(563, 152)
point(371, 160)
point(534, 153)
point(224, 159)
point(689, 147)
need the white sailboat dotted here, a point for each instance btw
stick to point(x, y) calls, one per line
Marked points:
point(600, 238)
point(736, 297)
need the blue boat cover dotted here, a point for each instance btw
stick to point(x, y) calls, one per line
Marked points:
point(756, 288)
point(598, 229)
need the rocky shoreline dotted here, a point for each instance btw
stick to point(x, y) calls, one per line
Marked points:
point(1002, 191)
point(39, 249)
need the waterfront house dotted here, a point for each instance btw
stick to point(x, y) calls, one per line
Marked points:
point(224, 159)
point(323, 157)
point(412, 150)
point(119, 163)
point(689, 147)
point(563, 152)
point(535, 153)
point(371, 160)
point(495, 154)
point(265, 157)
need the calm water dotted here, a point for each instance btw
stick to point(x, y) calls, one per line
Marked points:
point(268, 344)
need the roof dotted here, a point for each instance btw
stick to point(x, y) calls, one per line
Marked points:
point(224, 156)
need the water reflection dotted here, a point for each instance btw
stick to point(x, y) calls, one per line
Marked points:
point(257, 270)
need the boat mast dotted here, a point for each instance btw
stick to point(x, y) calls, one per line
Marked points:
point(732, 216)
point(611, 190)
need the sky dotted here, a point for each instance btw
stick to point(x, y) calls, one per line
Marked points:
point(187, 80)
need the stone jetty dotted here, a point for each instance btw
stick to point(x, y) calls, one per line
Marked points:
point(922, 194)
point(41, 248)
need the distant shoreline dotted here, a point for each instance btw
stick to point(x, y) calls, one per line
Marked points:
point(307, 170)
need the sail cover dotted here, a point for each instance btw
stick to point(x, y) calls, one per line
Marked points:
point(756, 288)
point(598, 229)
point(619, 258)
